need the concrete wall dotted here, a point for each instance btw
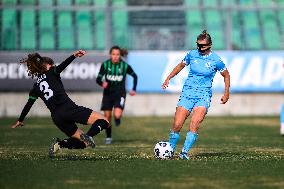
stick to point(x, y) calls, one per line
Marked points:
point(11, 104)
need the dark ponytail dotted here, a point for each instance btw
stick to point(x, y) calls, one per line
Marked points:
point(123, 51)
point(36, 64)
point(205, 35)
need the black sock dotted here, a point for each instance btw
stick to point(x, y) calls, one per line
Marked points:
point(97, 127)
point(108, 132)
point(72, 143)
point(117, 122)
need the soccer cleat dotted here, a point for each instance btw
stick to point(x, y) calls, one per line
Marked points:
point(88, 140)
point(54, 147)
point(108, 141)
point(183, 155)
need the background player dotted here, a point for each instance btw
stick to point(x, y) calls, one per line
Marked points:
point(64, 112)
point(112, 78)
point(197, 90)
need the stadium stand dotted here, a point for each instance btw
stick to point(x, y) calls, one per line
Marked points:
point(50, 28)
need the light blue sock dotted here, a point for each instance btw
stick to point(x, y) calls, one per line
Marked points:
point(189, 141)
point(174, 138)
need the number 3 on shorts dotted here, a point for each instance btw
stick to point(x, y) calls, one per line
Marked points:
point(44, 87)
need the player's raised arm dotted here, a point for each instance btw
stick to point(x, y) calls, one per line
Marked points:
point(66, 62)
point(175, 71)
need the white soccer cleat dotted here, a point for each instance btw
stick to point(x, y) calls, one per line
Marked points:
point(108, 141)
point(183, 155)
point(54, 147)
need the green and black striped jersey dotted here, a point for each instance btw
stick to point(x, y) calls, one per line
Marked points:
point(115, 76)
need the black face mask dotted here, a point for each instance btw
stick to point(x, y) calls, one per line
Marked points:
point(200, 46)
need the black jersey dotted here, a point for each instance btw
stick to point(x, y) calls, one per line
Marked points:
point(50, 89)
point(115, 76)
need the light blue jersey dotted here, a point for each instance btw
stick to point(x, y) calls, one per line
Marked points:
point(197, 89)
point(202, 71)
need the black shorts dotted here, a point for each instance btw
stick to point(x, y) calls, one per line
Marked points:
point(66, 117)
point(114, 100)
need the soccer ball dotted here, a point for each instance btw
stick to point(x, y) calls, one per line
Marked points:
point(163, 150)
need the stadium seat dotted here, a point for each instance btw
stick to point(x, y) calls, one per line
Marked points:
point(64, 2)
point(46, 27)
point(236, 39)
point(65, 30)
point(215, 28)
point(193, 3)
point(120, 22)
point(27, 30)
point(227, 3)
point(84, 29)
point(270, 29)
point(247, 2)
point(65, 27)
point(100, 25)
point(9, 29)
point(281, 20)
point(210, 3)
point(251, 30)
point(82, 2)
point(9, 2)
point(265, 3)
point(27, 2)
point(194, 27)
point(46, 30)
point(45, 3)
point(279, 2)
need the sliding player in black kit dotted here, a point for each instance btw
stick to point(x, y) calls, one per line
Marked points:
point(64, 112)
point(112, 78)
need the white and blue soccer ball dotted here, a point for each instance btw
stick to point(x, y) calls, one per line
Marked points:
point(163, 150)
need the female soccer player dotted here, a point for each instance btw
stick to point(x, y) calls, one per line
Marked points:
point(197, 90)
point(112, 78)
point(64, 112)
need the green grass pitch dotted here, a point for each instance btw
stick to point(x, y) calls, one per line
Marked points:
point(231, 152)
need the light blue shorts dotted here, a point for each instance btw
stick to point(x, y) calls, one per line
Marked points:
point(189, 103)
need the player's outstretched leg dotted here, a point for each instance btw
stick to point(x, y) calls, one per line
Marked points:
point(96, 128)
point(180, 117)
point(188, 143)
point(80, 140)
point(197, 117)
point(98, 122)
point(72, 143)
point(173, 139)
point(69, 143)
